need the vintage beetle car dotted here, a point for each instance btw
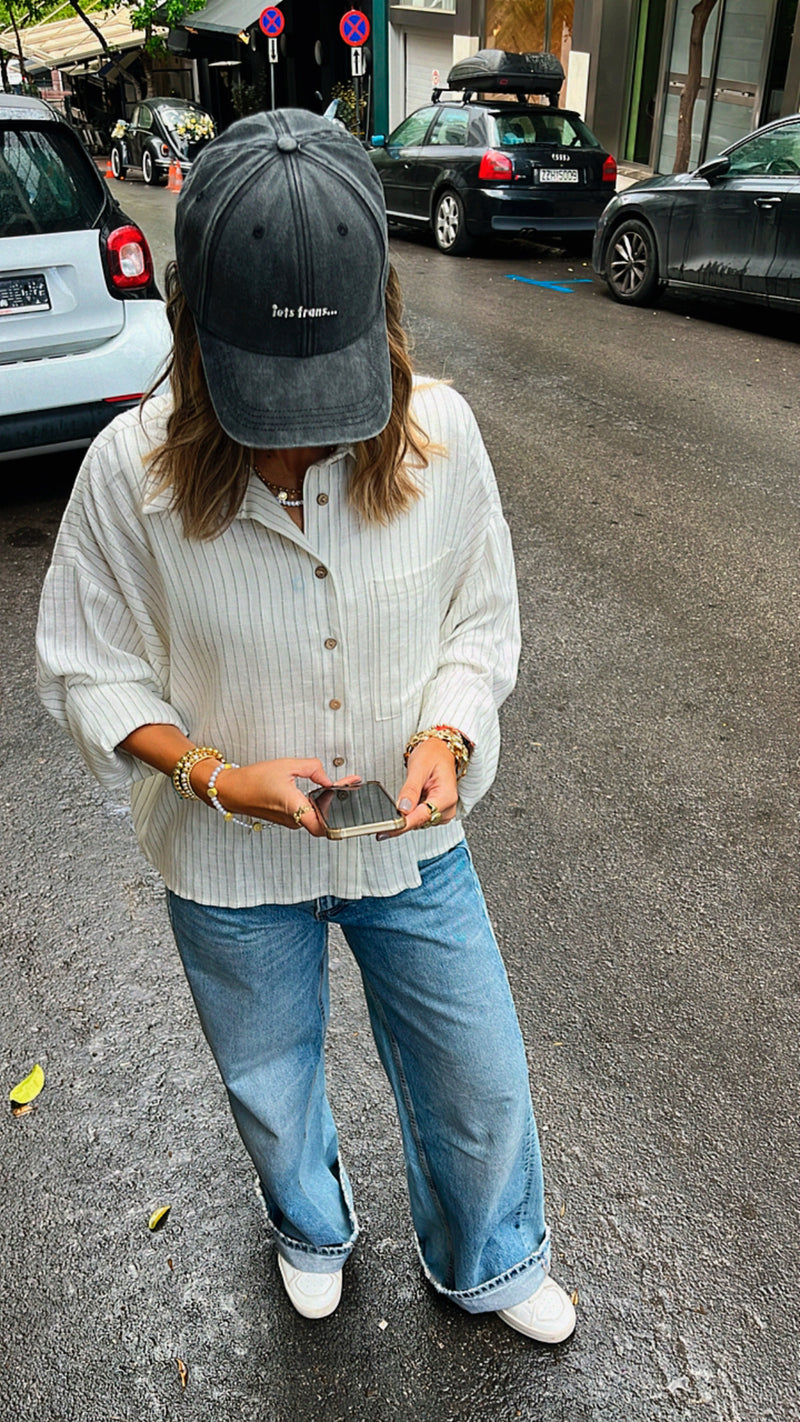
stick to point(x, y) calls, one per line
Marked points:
point(159, 133)
point(473, 165)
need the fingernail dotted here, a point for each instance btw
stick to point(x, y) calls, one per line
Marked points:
point(381, 836)
point(404, 804)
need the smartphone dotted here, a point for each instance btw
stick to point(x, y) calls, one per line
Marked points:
point(358, 809)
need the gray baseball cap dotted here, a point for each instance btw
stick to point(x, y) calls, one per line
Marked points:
point(282, 253)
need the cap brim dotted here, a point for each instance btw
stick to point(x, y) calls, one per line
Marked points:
point(283, 402)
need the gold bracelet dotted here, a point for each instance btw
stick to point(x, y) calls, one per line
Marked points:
point(184, 767)
point(458, 745)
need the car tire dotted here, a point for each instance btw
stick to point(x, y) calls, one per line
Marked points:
point(149, 170)
point(117, 165)
point(631, 263)
point(449, 225)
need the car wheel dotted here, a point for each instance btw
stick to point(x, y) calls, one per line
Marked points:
point(149, 168)
point(632, 263)
point(117, 165)
point(449, 224)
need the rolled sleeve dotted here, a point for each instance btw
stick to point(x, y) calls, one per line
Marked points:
point(479, 645)
point(93, 675)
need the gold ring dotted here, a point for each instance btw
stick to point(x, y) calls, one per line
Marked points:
point(436, 813)
point(299, 812)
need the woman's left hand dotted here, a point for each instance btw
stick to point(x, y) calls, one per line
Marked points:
point(431, 780)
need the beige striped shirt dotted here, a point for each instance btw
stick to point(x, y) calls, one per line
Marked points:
point(337, 642)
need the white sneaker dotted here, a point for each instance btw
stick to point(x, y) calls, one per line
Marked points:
point(548, 1315)
point(313, 1295)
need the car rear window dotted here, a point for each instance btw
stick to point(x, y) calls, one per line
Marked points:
point(559, 130)
point(47, 183)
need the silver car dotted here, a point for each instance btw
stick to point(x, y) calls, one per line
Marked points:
point(83, 331)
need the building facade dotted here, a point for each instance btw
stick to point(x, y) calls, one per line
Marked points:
point(638, 59)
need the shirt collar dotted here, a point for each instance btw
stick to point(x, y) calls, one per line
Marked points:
point(258, 503)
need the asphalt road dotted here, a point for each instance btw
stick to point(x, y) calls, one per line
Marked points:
point(639, 854)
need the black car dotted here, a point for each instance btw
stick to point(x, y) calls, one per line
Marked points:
point(730, 229)
point(160, 132)
point(468, 167)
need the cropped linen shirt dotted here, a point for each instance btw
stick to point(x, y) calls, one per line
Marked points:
point(337, 642)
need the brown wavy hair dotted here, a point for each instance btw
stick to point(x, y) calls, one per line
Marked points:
point(208, 471)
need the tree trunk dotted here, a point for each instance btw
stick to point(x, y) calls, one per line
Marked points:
point(4, 72)
point(700, 17)
point(92, 26)
point(12, 17)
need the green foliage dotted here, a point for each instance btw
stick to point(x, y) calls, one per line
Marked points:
point(346, 111)
point(148, 13)
point(249, 98)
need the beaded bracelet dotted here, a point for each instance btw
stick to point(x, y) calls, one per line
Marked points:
point(456, 743)
point(213, 794)
point(186, 764)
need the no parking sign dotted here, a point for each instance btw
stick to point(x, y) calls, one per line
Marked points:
point(354, 28)
point(271, 22)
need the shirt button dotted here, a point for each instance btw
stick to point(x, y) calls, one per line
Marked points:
point(321, 572)
point(335, 705)
point(338, 760)
point(322, 498)
point(330, 643)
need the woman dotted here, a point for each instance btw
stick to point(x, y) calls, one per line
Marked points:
point(296, 568)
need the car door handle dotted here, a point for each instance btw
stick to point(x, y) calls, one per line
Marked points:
point(768, 202)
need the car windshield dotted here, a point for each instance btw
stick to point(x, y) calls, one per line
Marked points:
point(558, 130)
point(175, 116)
point(46, 183)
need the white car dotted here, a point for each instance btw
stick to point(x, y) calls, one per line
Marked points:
point(83, 329)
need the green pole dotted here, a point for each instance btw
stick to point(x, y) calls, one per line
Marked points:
point(380, 67)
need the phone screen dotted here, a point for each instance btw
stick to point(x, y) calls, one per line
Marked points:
point(359, 809)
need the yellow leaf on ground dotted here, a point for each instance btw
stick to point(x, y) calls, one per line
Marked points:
point(574, 1297)
point(27, 1089)
point(183, 1371)
point(158, 1216)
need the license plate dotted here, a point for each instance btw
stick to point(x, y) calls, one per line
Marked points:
point(559, 175)
point(28, 293)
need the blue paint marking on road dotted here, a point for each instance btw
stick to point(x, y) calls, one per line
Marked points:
point(549, 285)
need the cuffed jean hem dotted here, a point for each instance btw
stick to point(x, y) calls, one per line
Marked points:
point(506, 1289)
point(311, 1258)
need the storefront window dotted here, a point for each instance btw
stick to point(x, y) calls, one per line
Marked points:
point(679, 63)
point(739, 65)
point(535, 27)
point(448, 5)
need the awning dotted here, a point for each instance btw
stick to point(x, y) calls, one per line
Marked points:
point(67, 41)
point(226, 17)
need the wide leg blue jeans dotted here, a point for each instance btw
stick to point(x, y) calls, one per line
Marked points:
point(447, 1034)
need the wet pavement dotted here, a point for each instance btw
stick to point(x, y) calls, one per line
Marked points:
point(639, 855)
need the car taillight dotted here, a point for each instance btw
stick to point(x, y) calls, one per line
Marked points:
point(610, 170)
point(495, 165)
point(128, 259)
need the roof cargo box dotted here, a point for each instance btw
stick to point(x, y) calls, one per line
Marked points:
point(494, 71)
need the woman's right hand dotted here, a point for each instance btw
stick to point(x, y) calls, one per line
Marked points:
point(266, 790)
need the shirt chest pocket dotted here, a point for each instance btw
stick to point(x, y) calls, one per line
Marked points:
point(405, 614)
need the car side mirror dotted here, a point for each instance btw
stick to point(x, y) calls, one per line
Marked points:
point(714, 169)
point(378, 140)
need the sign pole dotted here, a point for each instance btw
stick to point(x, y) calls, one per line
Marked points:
point(272, 22)
point(354, 30)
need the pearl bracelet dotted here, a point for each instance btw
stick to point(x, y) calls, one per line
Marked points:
point(213, 795)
